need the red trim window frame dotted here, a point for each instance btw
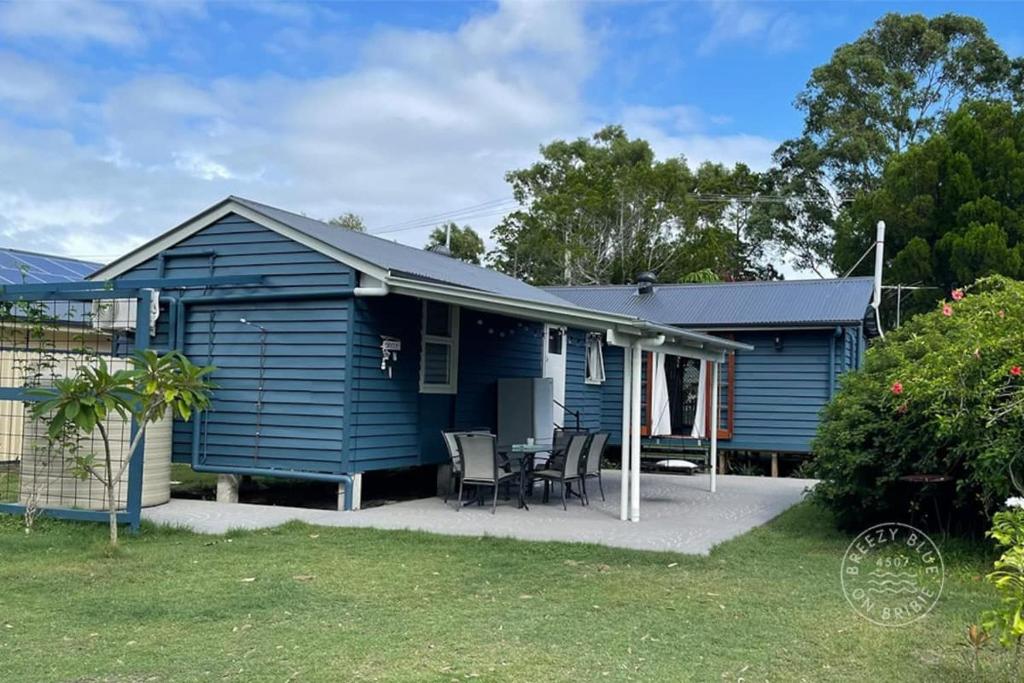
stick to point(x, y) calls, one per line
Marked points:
point(729, 396)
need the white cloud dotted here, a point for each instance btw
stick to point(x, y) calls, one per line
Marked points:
point(686, 130)
point(24, 83)
point(427, 122)
point(201, 166)
point(738, 21)
point(679, 118)
point(71, 20)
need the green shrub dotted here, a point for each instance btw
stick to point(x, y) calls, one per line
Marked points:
point(1007, 621)
point(942, 395)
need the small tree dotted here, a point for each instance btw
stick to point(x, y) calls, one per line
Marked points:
point(466, 244)
point(349, 221)
point(75, 407)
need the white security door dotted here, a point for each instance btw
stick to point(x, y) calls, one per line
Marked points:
point(554, 367)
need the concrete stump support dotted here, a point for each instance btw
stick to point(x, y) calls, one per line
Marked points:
point(227, 488)
point(357, 493)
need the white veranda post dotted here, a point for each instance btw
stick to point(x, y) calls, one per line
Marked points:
point(714, 425)
point(627, 389)
point(634, 435)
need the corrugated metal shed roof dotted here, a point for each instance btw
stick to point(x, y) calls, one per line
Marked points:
point(402, 259)
point(733, 304)
point(25, 267)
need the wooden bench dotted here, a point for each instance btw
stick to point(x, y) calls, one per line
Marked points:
point(653, 449)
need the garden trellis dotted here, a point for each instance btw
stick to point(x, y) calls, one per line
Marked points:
point(49, 331)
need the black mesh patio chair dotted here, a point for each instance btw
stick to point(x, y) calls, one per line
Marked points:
point(559, 443)
point(481, 464)
point(568, 470)
point(590, 468)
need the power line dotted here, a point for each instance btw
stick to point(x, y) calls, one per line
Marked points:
point(497, 207)
point(463, 213)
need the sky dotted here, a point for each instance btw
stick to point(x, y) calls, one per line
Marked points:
point(119, 121)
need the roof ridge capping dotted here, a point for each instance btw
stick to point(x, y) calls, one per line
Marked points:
point(737, 283)
point(357, 234)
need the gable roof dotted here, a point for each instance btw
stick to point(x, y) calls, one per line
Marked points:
point(402, 269)
point(19, 267)
point(364, 249)
point(729, 305)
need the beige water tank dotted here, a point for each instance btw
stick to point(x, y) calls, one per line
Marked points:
point(47, 474)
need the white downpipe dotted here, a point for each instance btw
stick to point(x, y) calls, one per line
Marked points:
point(714, 426)
point(381, 290)
point(876, 302)
point(371, 286)
point(627, 411)
point(634, 441)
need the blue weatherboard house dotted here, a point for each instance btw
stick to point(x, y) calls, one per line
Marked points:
point(348, 353)
point(804, 334)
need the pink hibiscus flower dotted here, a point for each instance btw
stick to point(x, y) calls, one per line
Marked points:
point(897, 388)
point(947, 310)
point(957, 294)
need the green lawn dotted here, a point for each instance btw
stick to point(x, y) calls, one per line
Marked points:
point(311, 604)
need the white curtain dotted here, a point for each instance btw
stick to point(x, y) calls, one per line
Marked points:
point(661, 414)
point(700, 415)
point(595, 360)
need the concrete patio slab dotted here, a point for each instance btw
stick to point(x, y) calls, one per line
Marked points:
point(678, 514)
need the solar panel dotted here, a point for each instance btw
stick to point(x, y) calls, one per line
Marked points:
point(20, 267)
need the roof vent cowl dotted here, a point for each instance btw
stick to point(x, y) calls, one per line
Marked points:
point(645, 282)
point(441, 249)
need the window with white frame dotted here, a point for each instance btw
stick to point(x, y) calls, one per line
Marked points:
point(439, 348)
point(595, 359)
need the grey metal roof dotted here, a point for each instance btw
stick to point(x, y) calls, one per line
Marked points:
point(402, 259)
point(25, 267)
point(728, 305)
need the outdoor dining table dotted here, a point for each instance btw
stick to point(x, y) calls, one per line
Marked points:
point(522, 455)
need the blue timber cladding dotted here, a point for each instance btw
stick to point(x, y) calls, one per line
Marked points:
point(301, 421)
point(779, 392)
point(384, 410)
point(491, 347)
point(306, 360)
point(240, 247)
point(390, 423)
point(586, 399)
point(611, 393)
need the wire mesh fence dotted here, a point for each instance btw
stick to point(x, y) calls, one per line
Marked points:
point(42, 341)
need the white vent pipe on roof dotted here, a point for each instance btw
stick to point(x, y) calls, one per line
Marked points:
point(876, 302)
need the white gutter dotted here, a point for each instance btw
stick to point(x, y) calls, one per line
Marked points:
point(584, 318)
